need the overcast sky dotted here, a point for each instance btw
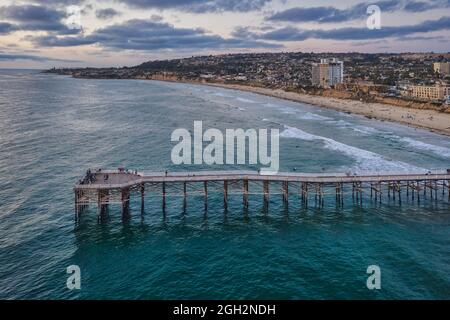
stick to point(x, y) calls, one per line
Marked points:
point(46, 33)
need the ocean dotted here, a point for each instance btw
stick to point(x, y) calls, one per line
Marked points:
point(54, 127)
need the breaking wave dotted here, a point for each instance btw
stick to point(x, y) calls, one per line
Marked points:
point(366, 161)
point(220, 94)
point(245, 100)
point(438, 150)
point(314, 117)
point(357, 128)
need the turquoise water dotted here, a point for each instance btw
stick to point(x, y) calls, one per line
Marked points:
point(53, 128)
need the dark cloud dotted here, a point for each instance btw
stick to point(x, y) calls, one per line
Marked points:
point(31, 13)
point(365, 43)
point(199, 6)
point(156, 18)
point(295, 34)
point(55, 41)
point(242, 33)
point(417, 6)
point(150, 35)
point(420, 6)
point(6, 27)
point(318, 14)
point(358, 11)
point(14, 57)
point(107, 13)
point(36, 18)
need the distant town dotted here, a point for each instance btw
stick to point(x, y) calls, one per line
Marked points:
point(407, 79)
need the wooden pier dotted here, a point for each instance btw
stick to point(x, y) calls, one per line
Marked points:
point(106, 187)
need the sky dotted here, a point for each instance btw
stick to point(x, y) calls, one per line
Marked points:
point(101, 33)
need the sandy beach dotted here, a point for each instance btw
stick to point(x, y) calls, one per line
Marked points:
point(419, 118)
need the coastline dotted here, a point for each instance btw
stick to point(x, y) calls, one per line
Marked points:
point(431, 120)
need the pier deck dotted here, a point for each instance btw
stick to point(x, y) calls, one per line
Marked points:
point(115, 186)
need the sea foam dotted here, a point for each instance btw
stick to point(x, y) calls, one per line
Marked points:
point(245, 100)
point(366, 130)
point(438, 150)
point(366, 161)
point(314, 117)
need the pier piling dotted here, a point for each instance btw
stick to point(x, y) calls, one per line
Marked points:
point(266, 192)
point(120, 185)
point(225, 194)
point(245, 192)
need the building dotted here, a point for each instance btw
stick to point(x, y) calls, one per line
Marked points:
point(319, 76)
point(327, 73)
point(442, 68)
point(435, 93)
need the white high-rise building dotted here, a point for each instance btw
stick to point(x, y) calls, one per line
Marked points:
point(327, 73)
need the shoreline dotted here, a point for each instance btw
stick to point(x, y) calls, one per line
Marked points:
point(430, 120)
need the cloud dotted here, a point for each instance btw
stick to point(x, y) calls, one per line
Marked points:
point(422, 38)
point(156, 18)
point(319, 14)
point(329, 14)
point(199, 6)
point(6, 27)
point(417, 6)
point(14, 57)
point(365, 43)
point(420, 6)
point(58, 3)
point(36, 18)
point(150, 35)
point(55, 41)
point(358, 11)
point(242, 33)
point(31, 13)
point(107, 13)
point(295, 34)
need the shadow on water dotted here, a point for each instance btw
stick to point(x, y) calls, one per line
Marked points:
point(214, 216)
